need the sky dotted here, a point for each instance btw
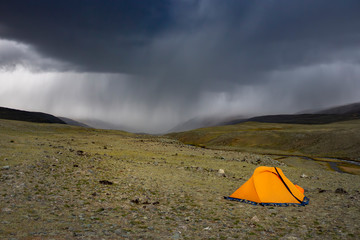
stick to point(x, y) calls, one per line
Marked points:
point(151, 65)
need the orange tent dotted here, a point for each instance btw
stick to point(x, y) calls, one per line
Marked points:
point(269, 186)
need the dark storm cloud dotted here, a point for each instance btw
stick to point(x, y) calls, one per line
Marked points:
point(184, 58)
point(206, 39)
point(95, 35)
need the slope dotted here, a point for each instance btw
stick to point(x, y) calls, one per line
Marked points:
point(340, 139)
point(19, 115)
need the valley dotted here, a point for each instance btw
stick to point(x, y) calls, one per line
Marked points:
point(65, 182)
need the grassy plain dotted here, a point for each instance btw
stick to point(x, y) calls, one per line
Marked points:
point(64, 182)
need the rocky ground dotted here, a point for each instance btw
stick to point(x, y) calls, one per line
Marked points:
point(61, 182)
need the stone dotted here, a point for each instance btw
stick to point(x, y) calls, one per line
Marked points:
point(106, 182)
point(176, 236)
point(118, 231)
point(5, 168)
point(6, 210)
point(221, 173)
point(341, 191)
point(273, 211)
point(255, 219)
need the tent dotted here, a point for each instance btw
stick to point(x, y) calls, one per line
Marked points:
point(269, 186)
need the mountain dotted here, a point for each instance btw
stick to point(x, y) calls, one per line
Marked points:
point(299, 118)
point(353, 108)
point(19, 115)
point(200, 122)
point(313, 116)
point(323, 116)
point(72, 122)
point(342, 109)
point(99, 124)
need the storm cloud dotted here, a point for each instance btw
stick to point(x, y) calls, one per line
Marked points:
point(153, 64)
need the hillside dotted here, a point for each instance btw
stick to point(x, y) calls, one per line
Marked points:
point(200, 122)
point(353, 108)
point(328, 115)
point(300, 118)
point(72, 122)
point(319, 116)
point(65, 182)
point(19, 115)
point(341, 140)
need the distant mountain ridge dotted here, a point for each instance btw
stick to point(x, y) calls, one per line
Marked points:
point(322, 116)
point(20, 115)
point(318, 116)
point(300, 118)
point(341, 109)
point(353, 108)
point(199, 122)
point(99, 124)
point(72, 122)
point(329, 115)
point(39, 117)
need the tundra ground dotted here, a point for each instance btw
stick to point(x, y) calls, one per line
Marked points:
point(63, 182)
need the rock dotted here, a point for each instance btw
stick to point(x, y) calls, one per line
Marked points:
point(221, 173)
point(255, 219)
point(118, 231)
point(80, 153)
point(6, 210)
point(290, 238)
point(321, 190)
point(273, 211)
point(106, 182)
point(136, 201)
point(176, 236)
point(341, 191)
point(5, 168)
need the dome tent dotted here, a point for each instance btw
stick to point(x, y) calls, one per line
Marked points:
point(269, 186)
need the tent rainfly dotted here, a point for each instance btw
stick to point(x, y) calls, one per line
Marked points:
point(269, 186)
